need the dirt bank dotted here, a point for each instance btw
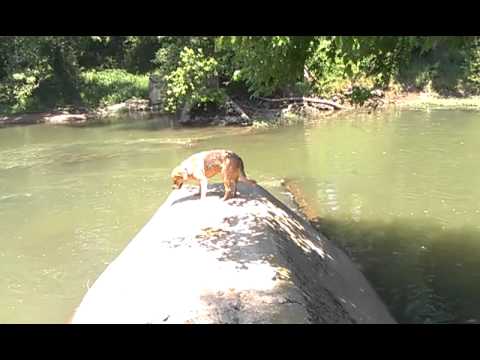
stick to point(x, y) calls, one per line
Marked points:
point(252, 112)
point(77, 116)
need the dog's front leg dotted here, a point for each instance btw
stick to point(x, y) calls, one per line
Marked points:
point(199, 193)
point(203, 188)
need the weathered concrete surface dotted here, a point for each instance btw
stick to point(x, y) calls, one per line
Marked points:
point(247, 260)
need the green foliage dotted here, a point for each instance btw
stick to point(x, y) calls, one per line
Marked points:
point(34, 60)
point(267, 63)
point(443, 65)
point(418, 74)
point(22, 71)
point(138, 52)
point(132, 53)
point(167, 57)
point(327, 69)
point(45, 71)
point(16, 93)
point(375, 61)
point(106, 87)
point(360, 95)
point(471, 67)
point(190, 72)
point(194, 80)
point(375, 56)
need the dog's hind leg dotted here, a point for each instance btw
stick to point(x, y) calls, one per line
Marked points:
point(228, 190)
point(199, 193)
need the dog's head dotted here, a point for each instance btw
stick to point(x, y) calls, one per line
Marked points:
point(179, 176)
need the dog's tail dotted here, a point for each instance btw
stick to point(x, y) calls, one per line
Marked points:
point(243, 176)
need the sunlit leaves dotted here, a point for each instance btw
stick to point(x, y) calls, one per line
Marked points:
point(106, 87)
point(192, 80)
point(266, 63)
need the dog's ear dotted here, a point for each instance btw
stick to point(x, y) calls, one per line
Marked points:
point(174, 173)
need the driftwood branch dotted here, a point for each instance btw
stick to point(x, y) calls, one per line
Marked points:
point(320, 106)
point(239, 110)
point(305, 99)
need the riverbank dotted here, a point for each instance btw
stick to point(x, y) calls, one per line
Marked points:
point(435, 101)
point(78, 115)
point(259, 112)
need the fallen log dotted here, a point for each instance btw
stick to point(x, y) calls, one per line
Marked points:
point(305, 99)
point(246, 260)
point(239, 110)
point(320, 106)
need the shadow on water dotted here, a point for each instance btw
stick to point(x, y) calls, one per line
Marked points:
point(425, 274)
point(152, 122)
point(149, 123)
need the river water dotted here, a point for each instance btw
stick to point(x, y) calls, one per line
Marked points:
point(397, 190)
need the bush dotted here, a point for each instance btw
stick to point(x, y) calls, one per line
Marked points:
point(266, 64)
point(106, 87)
point(193, 80)
point(96, 88)
point(17, 92)
point(472, 68)
point(328, 71)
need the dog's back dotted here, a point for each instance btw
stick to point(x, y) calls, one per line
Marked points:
point(215, 158)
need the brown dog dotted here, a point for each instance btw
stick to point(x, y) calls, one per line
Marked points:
point(203, 165)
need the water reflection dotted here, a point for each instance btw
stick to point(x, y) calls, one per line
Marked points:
point(398, 190)
point(424, 272)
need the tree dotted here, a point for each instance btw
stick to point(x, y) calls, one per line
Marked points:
point(267, 63)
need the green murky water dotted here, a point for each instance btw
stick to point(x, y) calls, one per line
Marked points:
point(398, 191)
